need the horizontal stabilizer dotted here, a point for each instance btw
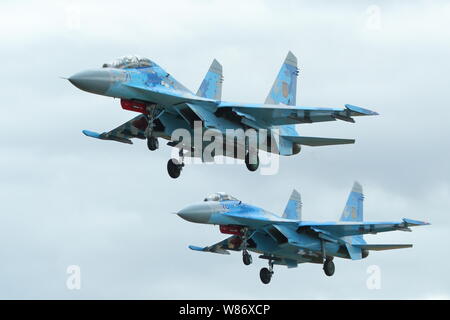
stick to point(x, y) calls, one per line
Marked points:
point(380, 247)
point(316, 141)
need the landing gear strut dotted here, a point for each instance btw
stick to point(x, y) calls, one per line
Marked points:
point(266, 273)
point(174, 166)
point(246, 257)
point(328, 264)
point(152, 115)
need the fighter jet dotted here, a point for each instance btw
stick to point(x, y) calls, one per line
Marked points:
point(288, 240)
point(165, 105)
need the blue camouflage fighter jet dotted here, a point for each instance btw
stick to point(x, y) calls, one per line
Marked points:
point(288, 240)
point(165, 105)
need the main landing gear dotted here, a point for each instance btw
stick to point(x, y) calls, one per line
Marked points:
point(175, 166)
point(328, 267)
point(266, 273)
point(251, 165)
point(328, 264)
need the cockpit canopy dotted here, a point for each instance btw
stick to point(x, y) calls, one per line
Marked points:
point(220, 196)
point(131, 61)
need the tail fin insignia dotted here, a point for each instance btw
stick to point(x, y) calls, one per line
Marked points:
point(211, 86)
point(353, 210)
point(293, 209)
point(284, 89)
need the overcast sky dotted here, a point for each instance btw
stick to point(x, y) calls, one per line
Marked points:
point(107, 207)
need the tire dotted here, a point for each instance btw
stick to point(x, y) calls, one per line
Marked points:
point(251, 166)
point(265, 275)
point(328, 268)
point(152, 143)
point(173, 168)
point(247, 259)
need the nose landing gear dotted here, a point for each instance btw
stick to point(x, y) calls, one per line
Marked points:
point(152, 143)
point(246, 258)
point(174, 166)
point(152, 114)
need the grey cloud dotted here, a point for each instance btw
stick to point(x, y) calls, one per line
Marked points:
point(67, 199)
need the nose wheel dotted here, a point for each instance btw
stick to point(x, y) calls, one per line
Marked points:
point(246, 258)
point(152, 114)
point(152, 143)
point(174, 166)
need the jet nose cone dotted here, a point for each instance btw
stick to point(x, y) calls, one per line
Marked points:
point(199, 213)
point(94, 81)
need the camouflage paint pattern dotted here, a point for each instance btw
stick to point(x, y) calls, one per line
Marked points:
point(288, 240)
point(145, 81)
point(211, 86)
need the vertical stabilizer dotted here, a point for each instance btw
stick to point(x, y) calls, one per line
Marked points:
point(293, 209)
point(353, 210)
point(211, 86)
point(284, 89)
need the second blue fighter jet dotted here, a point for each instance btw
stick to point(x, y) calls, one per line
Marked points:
point(288, 240)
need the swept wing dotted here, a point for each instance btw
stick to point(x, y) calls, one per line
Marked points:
point(342, 229)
